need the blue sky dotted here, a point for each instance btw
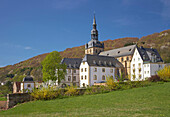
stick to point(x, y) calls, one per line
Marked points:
point(32, 27)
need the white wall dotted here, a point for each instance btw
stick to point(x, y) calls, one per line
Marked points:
point(151, 69)
point(86, 81)
point(26, 86)
point(99, 74)
point(71, 74)
point(136, 60)
point(147, 69)
point(89, 81)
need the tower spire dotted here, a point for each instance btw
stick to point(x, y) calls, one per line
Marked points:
point(94, 20)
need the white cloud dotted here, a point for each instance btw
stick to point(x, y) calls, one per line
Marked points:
point(10, 45)
point(27, 48)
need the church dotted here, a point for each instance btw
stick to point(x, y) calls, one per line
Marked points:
point(98, 64)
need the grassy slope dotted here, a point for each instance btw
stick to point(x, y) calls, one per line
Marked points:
point(147, 101)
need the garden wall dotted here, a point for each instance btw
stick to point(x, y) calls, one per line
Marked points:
point(15, 98)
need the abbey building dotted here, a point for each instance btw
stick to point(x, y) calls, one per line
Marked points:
point(98, 64)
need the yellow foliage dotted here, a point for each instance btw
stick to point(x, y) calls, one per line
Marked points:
point(110, 82)
point(71, 91)
point(164, 73)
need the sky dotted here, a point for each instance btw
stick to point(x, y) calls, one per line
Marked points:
point(32, 27)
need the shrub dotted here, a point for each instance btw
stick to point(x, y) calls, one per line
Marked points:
point(111, 84)
point(45, 93)
point(164, 73)
point(71, 91)
point(154, 78)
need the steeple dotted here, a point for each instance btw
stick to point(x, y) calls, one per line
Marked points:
point(94, 46)
point(94, 22)
point(94, 32)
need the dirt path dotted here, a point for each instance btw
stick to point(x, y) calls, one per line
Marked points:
point(3, 105)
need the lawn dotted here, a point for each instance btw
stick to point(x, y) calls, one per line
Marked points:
point(147, 101)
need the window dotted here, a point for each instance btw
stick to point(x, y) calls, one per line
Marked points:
point(74, 78)
point(85, 77)
point(122, 59)
point(95, 77)
point(118, 52)
point(145, 72)
point(144, 65)
point(69, 70)
point(94, 62)
point(111, 70)
point(127, 58)
point(28, 85)
point(103, 77)
point(140, 76)
point(95, 69)
point(148, 72)
point(111, 76)
point(148, 65)
point(133, 65)
point(74, 71)
point(81, 69)
point(69, 78)
point(83, 63)
point(139, 64)
point(134, 59)
point(103, 69)
point(82, 77)
point(129, 49)
point(85, 69)
point(99, 62)
point(105, 62)
point(138, 59)
point(96, 50)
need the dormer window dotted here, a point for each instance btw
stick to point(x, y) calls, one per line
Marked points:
point(130, 49)
point(94, 62)
point(110, 63)
point(105, 62)
point(99, 62)
point(118, 52)
point(107, 54)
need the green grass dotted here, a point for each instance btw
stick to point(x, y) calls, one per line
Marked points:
point(152, 101)
point(3, 99)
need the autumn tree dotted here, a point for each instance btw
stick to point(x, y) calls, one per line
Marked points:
point(52, 69)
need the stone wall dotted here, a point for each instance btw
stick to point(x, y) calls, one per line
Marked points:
point(15, 98)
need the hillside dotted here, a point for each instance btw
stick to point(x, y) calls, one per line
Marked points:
point(160, 41)
point(33, 65)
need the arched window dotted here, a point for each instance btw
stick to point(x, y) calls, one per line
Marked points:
point(103, 77)
point(95, 77)
point(69, 78)
point(85, 77)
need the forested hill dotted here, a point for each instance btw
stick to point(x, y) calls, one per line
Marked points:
point(160, 41)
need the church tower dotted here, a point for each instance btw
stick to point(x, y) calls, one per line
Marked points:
point(94, 46)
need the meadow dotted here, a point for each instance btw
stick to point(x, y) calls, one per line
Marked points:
point(145, 102)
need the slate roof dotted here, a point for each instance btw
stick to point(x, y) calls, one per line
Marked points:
point(94, 43)
point(28, 79)
point(72, 63)
point(124, 51)
point(101, 61)
point(146, 54)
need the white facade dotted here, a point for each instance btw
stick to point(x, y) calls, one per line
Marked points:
point(141, 70)
point(72, 77)
point(94, 74)
point(27, 86)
